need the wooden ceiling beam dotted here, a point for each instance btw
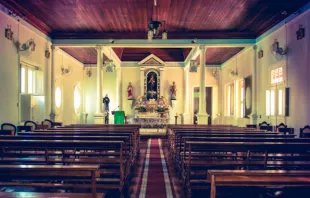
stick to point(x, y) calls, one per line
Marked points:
point(173, 43)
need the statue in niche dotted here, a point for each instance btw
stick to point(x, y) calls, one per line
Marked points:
point(173, 91)
point(151, 92)
point(130, 91)
point(106, 101)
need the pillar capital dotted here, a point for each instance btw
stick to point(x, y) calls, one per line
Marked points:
point(202, 47)
point(53, 47)
point(99, 48)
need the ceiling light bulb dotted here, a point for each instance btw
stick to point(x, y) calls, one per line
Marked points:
point(165, 35)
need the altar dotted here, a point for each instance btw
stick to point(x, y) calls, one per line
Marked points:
point(151, 114)
point(151, 108)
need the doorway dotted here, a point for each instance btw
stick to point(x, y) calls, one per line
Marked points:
point(208, 101)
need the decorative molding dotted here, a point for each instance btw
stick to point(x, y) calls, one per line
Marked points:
point(152, 60)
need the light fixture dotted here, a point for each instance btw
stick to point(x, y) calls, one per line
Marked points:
point(215, 72)
point(109, 63)
point(8, 33)
point(47, 53)
point(300, 32)
point(65, 70)
point(154, 30)
point(193, 66)
point(89, 73)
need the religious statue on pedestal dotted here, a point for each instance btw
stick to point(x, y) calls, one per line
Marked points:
point(130, 91)
point(106, 101)
point(173, 91)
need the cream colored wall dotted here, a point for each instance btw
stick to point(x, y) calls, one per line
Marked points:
point(9, 68)
point(66, 113)
point(9, 65)
point(211, 81)
point(90, 92)
point(130, 74)
point(298, 72)
point(243, 63)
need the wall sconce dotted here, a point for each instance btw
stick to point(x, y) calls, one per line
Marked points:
point(66, 71)
point(215, 72)
point(110, 67)
point(8, 33)
point(260, 54)
point(300, 33)
point(89, 72)
point(47, 53)
point(193, 66)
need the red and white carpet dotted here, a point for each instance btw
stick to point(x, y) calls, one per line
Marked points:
point(155, 176)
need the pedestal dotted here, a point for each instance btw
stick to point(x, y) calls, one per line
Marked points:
point(173, 103)
point(202, 118)
point(186, 118)
point(130, 103)
point(99, 118)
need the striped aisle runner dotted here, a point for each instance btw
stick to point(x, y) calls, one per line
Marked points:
point(155, 181)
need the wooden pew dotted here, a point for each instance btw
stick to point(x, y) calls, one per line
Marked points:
point(110, 155)
point(41, 175)
point(133, 140)
point(46, 195)
point(6, 132)
point(175, 143)
point(199, 157)
point(262, 178)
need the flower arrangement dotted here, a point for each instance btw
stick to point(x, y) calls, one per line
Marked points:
point(161, 108)
point(141, 108)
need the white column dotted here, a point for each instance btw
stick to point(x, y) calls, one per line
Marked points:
point(119, 87)
point(142, 81)
point(254, 115)
point(186, 116)
point(53, 112)
point(202, 114)
point(161, 87)
point(99, 87)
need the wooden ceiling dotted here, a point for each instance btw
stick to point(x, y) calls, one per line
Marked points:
point(214, 56)
point(84, 55)
point(89, 55)
point(165, 54)
point(128, 19)
point(218, 56)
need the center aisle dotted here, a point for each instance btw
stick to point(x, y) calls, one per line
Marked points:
point(155, 181)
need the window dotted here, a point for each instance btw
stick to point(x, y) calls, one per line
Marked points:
point(275, 96)
point(77, 98)
point(31, 80)
point(241, 89)
point(280, 102)
point(268, 105)
point(23, 80)
point(230, 102)
point(277, 75)
point(272, 102)
point(58, 97)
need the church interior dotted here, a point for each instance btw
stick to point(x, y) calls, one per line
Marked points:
point(154, 98)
